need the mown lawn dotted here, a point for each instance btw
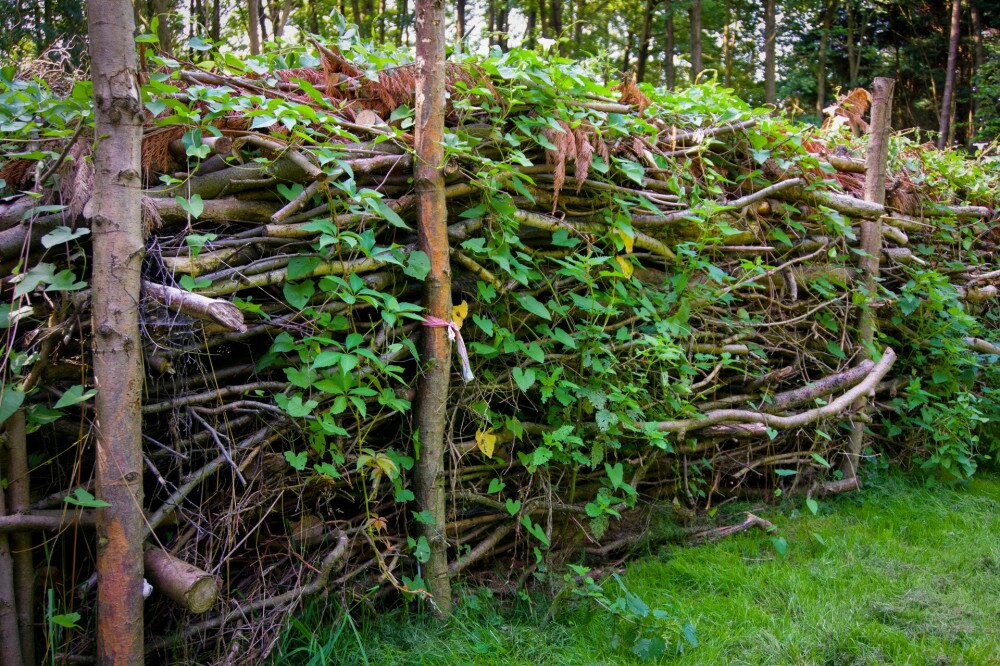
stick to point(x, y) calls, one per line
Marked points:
point(897, 574)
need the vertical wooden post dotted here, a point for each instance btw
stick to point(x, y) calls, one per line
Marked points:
point(10, 645)
point(432, 229)
point(116, 226)
point(871, 240)
point(20, 497)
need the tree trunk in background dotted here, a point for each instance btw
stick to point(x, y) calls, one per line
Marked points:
point(628, 52)
point(402, 9)
point(824, 38)
point(770, 85)
point(460, 19)
point(580, 11)
point(160, 9)
point(695, 20)
point(978, 58)
point(253, 19)
point(647, 28)
point(116, 227)
point(491, 22)
point(952, 69)
point(503, 16)
point(216, 30)
point(871, 245)
point(543, 17)
point(557, 23)
point(432, 234)
point(669, 72)
point(529, 32)
point(727, 52)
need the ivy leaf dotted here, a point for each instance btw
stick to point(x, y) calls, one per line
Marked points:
point(193, 206)
point(81, 497)
point(74, 395)
point(36, 275)
point(65, 281)
point(524, 379)
point(534, 306)
point(196, 242)
point(418, 265)
point(10, 401)
point(296, 460)
point(61, 235)
point(423, 550)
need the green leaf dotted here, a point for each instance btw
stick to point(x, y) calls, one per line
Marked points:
point(780, 545)
point(524, 379)
point(423, 550)
point(193, 206)
point(294, 406)
point(820, 459)
point(81, 497)
point(190, 284)
point(196, 242)
point(66, 620)
point(496, 486)
point(813, 505)
point(513, 506)
point(74, 395)
point(65, 281)
point(534, 306)
point(297, 460)
point(418, 265)
point(298, 294)
point(785, 472)
point(61, 235)
point(391, 216)
point(42, 273)
point(10, 401)
point(300, 267)
point(616, 474)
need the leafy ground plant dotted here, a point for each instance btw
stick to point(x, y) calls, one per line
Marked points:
point(904, 573)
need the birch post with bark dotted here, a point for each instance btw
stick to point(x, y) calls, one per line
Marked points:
point(432, 230)
point(116, 220)
point(871, 243)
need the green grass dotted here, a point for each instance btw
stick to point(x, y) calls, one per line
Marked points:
point(897, 574)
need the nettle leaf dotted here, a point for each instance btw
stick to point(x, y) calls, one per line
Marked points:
point(524, 378)
point(193, 206)
point(73, 396)
point(297, 460)
point(534, 306)
point(10, 401)
point(61, 235)
point(418, 265)
point(780, 545)
point(81, 497)
point(298, 294)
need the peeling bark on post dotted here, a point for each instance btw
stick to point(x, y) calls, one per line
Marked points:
point(432, 223)
point(10, 645)
point(116, 225)
point(871, 241)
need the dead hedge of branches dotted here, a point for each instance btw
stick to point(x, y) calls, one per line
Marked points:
point(657, 297)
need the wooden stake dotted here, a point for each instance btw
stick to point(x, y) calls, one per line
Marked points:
point(432, 229)
point(871, 242)
point(24, 571)
point(116, 224)
point(10, 645)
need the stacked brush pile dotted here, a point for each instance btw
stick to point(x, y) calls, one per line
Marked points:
point(658, 294)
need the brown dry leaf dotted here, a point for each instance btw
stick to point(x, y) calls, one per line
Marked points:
point(851, 107)
point(630, 93)
point(584, 154)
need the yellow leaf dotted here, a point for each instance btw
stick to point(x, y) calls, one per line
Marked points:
point(459, 313)
point(486, 441)
point(626, 266)
point(629, 241)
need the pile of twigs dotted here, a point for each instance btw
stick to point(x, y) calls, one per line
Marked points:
point(260, 259)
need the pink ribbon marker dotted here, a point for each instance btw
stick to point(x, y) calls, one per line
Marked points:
point(455, 335)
